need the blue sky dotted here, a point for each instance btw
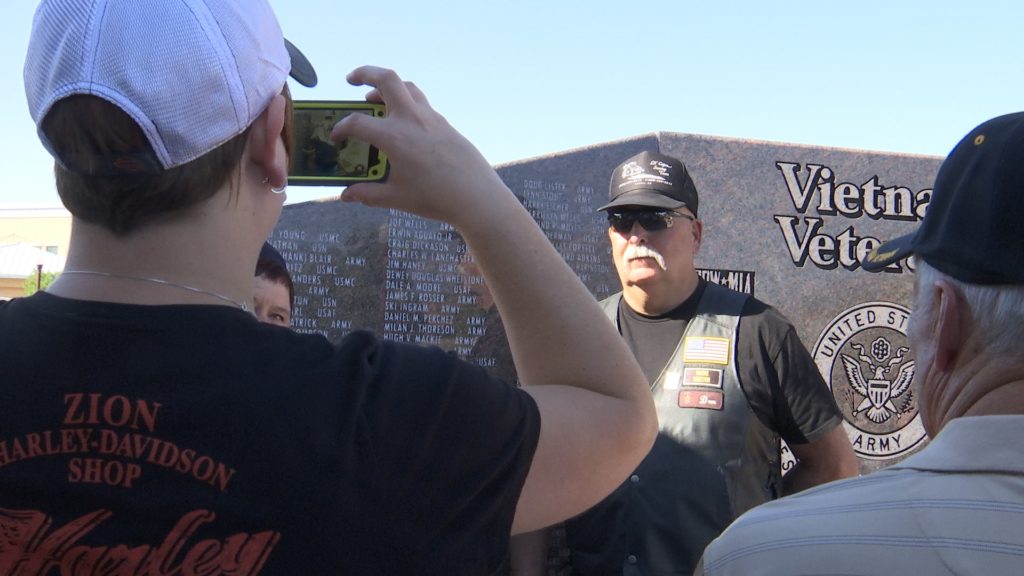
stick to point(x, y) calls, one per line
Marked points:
point(531, 77)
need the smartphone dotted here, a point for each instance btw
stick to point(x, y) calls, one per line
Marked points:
point(318, 161)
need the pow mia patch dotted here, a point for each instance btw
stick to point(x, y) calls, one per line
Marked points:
point(863, 355)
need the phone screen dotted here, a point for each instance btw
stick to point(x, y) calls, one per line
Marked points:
point(319, 161)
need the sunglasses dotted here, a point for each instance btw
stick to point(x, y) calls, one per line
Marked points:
point(650, 220)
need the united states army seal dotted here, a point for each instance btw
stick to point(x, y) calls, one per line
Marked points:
point(864, 357)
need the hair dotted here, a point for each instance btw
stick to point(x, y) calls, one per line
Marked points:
point(85, 126)
point(998, 310)
point(275, 272)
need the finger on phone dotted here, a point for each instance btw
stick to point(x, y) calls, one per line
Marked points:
point(387, 83)
point(375, 195)
point(360, 127)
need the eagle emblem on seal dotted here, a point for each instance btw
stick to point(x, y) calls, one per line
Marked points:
point(879, 392)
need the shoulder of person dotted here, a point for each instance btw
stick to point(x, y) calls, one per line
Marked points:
point(769, 326)
point(765, 315)
point(365, 350)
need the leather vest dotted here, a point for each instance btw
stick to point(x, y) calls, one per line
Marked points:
point(701, 404)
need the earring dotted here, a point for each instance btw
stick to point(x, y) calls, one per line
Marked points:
point(266, 180)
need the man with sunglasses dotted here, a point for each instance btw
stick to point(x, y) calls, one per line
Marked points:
point(729, 376)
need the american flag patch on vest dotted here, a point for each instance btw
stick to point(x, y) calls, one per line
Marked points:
point(708, 350)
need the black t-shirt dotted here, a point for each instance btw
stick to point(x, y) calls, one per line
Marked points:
point(195, 438)
point(779, 378)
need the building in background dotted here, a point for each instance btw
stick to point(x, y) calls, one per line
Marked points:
point(32, 240)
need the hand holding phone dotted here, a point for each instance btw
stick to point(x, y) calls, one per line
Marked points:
point(320, 162)
point(434, 171)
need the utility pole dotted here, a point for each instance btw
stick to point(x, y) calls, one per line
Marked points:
point(39, 277)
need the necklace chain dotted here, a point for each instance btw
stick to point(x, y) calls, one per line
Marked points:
point(162, 282)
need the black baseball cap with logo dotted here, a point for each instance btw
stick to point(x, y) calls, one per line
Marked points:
point(973, 229)
point(654, 180)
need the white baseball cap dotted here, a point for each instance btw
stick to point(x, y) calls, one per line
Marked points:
point(192, 73)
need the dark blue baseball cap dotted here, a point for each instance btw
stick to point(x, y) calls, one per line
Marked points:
point(973, 229)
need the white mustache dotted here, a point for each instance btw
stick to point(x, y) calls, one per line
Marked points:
point(634, 251)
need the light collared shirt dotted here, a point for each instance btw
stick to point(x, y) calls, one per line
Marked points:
point(956, 507)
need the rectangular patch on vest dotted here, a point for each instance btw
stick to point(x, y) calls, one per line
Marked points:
point(702, 377)
point(701, 399)
point(706, 350)
point(671, 381)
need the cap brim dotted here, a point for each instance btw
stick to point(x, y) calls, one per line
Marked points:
point(885, 254)
point(644, 198)
point(302, 70)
